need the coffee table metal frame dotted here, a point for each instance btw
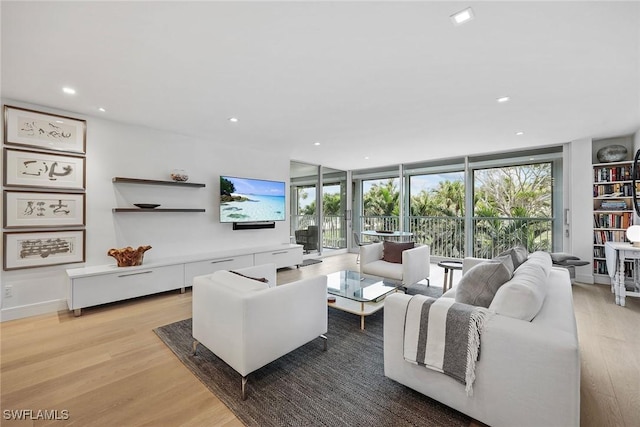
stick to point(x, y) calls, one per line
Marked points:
point(358, 294)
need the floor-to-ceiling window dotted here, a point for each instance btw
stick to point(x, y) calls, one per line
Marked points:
point(318, 207)
point(517, 200)
point(334, 209)
point(436, 211)
point(469, 206)
point(377, 200)
point(513, 206)
point(305, 215)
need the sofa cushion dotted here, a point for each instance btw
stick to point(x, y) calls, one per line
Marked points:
point(518, 255)
point(480, 284)
point(522, 296)
point(392, 251)
point(381, 268)
point(237, 283)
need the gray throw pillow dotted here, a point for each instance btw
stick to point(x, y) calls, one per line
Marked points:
point(519, 254)
point(507, 260)
point(480, 284)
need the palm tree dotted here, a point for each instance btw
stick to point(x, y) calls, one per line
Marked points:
point(445, 236)
point(382, 200)
point(331, 204)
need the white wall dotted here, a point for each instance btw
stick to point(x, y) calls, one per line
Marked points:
point(116, 149)
point(580, 193)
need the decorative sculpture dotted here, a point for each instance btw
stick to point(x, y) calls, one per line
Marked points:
point(612, 153)
point(128, 256)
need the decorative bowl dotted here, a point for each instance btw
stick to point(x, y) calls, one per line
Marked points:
point(128, 257)
point(146, 205)
point(179, 175)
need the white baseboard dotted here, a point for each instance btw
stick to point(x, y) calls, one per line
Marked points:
point(585, 278)
point(46, 307)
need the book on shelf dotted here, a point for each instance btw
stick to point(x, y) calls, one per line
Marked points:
point(609, 174)
point(600, 237)
point(613, 205)
point(619, 220)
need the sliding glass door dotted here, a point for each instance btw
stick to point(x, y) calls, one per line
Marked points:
point(318, 208)
point(334, 209)
point(305, 215)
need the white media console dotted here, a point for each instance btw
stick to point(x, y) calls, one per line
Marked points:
point(95, 285)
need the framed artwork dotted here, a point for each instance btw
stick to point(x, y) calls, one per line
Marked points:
point(38, 249)
point(46, 209)
point(46, 131)
point(24, 168)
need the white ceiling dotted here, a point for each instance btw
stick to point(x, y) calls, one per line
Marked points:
point(394, 81)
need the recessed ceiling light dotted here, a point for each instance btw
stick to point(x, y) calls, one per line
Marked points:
point(102, 109)
point(519, 133)
point(463, 16)
point(366, 157)
point(69, 91)
point(316, 143)
point(503, 99)
point(233, 119)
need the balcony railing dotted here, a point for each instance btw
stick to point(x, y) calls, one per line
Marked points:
point(445, 235)
point(495, 235)
point(491, 236)
point(333, 227)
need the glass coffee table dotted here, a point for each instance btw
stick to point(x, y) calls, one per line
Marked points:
point(358, 294)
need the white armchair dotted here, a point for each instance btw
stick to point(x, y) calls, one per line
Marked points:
point(414, 267)
point(249, 324)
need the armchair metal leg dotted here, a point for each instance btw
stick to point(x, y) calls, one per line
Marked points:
point(194, 347)
point(244, 386)
point(325, 341)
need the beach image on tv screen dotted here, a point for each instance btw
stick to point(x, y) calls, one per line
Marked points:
point(247, 200)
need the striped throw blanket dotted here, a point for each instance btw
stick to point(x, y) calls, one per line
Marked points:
point(444, 335)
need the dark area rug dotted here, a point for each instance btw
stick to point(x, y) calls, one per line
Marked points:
point(344, 386)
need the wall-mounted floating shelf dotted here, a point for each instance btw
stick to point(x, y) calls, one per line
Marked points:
point(119, 179)
point(155, 210)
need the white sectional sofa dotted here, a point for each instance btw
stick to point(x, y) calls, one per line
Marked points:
point(528, 373)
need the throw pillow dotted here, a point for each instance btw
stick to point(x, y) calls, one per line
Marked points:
point(259, 279)
point(392, 251)
point(480, 284)
point(522, 296)
point(519, 254)
point(507, 261)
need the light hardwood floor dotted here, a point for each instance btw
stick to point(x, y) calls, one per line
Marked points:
point(108, 368)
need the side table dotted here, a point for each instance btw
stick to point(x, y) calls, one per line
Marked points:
point(449, 267)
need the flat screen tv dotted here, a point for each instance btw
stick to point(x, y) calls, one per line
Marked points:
point(251, 200)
